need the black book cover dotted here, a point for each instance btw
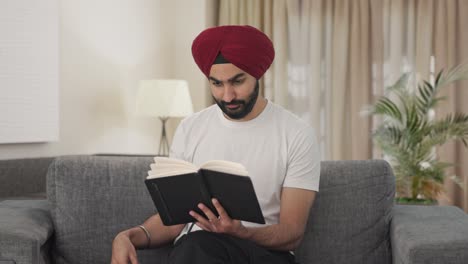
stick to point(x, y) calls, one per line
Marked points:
point(175, 196)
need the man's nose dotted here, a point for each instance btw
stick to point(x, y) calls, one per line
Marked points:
point(229, 93)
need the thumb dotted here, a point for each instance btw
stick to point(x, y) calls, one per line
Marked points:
point(133, 259)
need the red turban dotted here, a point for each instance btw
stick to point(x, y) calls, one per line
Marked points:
point(244, 46)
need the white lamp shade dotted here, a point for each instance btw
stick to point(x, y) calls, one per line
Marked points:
point(163, 98)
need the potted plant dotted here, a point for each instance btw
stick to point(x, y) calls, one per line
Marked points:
point(409, 133)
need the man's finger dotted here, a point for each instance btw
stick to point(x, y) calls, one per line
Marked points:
point(207, 211)
point(199, 218)
point(204, 227)
point(220, 209)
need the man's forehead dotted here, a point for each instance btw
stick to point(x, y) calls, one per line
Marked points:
point(229, 78)
point(225, 72)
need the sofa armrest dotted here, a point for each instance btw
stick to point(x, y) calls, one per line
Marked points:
point(429, 234)
point(5, 261)
point(25, 229)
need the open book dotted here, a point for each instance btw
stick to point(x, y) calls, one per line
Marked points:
point(177, 186)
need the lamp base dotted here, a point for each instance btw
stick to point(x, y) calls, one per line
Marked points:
point(163, 142)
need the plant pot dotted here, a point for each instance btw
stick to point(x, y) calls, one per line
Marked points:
point(411, 201)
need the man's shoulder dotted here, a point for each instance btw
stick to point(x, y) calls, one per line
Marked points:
point(295, 128)
point(289, 119)
point(200, 116)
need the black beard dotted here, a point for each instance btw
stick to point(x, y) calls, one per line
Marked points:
point(245, 107)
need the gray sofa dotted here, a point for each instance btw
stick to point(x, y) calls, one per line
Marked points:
point(354, 220)
point(24, 178)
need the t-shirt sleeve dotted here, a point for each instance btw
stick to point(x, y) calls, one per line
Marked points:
point(303, 169)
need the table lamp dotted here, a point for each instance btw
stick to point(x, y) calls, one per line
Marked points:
point(163, 99)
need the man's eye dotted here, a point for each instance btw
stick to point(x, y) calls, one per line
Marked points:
point(217, 84)
point(238, 81)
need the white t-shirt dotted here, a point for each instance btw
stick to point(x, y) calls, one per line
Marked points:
point(277, 148)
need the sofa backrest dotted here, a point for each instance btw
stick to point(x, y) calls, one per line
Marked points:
point(24, 178)
point(350, 219)
point(95, 197)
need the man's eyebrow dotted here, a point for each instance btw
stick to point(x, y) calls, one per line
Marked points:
point(214, 79)
point(230, 79)
point(236, 76)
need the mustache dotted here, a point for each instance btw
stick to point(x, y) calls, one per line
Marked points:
point(237, 102)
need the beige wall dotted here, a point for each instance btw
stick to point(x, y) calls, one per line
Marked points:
point(106, 47)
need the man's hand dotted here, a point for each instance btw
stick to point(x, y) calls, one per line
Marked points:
point(222, 224)
point(123, 250)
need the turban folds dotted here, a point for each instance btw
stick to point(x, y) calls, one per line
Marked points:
point(244, 46)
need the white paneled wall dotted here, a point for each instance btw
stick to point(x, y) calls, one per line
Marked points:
point(29, 72)
point(105, 47)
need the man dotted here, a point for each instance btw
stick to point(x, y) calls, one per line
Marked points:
point(277, 148)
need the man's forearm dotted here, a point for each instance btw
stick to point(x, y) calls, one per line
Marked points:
point(160, 234)
point(276, 237)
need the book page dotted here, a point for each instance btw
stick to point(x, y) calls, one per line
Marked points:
point(164, 167)
point(165, 160)
point(226, 167)
point(165, 173)
point(161, 166)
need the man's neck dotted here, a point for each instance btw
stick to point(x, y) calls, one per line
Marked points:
point(258, 108)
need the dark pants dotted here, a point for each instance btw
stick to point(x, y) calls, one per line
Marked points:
point(206, 247)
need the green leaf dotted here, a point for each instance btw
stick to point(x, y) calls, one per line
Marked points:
point(385, 106)
point(407, 137)
point(437, 80)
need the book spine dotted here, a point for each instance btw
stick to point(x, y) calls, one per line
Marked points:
point(206, 193)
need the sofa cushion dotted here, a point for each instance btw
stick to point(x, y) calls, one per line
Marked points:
point(93, 198)
point(23, 178)
point(349, 221)
point(25, 229)
point(429, 234)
